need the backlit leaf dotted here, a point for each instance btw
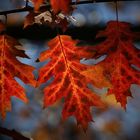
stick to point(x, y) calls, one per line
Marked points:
point(37, 4)
point(121, 55)
point(10, 68)
point(70, 79)
point(61, 5)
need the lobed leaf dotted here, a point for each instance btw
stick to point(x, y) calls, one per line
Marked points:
point(70, 81)
point(10, 68)
point(121, 55)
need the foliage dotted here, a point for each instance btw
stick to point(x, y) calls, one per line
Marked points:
point(122, 56)
point(9, 68)
point(117, 71)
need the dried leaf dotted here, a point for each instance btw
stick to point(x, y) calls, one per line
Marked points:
point(29, 19)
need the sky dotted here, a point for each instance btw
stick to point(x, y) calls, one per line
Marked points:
point(87, 14)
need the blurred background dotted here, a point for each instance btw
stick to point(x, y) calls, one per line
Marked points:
point(112, 123)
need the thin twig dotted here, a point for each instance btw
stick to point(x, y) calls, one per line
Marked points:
point(47, 7)
point(12, 133)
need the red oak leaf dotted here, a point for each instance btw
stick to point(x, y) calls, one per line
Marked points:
point(70, 79)
point(10, 67)
point(2, 27)
point(37, 4)
point(121, 56)
point(61, 5)
point(29, 19)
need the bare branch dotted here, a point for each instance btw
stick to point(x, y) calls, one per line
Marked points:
point(47, 7)
point(12, 133)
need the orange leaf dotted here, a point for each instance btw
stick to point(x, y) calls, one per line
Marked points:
point(122, 54)
point(96, 74)
point(37, 4)
point(60, 5)
point(10, 67)
point(70, 81)
point(29, 19)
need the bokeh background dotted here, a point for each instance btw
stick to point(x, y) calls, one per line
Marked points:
point(112, 123)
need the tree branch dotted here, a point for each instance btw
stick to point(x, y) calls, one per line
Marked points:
point(12, 133)
point(47, 7)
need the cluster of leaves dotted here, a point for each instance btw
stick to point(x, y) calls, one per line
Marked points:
point(117, 72)
point(57, 5)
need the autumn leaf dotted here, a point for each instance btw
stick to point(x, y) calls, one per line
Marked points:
point(46, 18)
point(70, 81)
point(60, 5)
point(29, 19)
point(37, 4)
point(2, 27)
point(122, 56)
point(10, 68)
